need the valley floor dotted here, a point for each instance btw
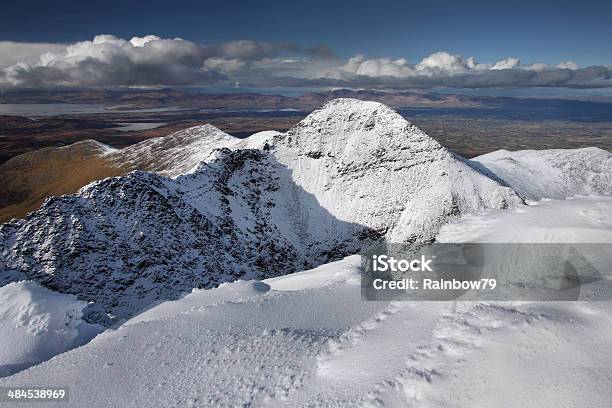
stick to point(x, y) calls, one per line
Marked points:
point(308, 339)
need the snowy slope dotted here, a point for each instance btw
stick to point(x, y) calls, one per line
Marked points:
point(174, 154)
point(581, 219)
point(36, 324)
point(555, 173)
point(366, 164)
point(308, 339)
point(348, 174)
point(258, 140)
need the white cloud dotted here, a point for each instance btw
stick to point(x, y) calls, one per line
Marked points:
point(359, 65)
point(568, 65)
point(538, 67)
point(439, 63)
point(142, 41)
point(107, 60)
point(12, 53)
point(445, 62)
point(507, 63)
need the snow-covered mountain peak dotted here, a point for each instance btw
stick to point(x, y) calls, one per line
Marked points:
point(356, 128)
point(355, 111)
point(259, 140)
point(367, 165)
point(206, 134)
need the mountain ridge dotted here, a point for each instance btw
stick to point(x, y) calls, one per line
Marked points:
point(552, 173)
point(349, 174)
point(26, 180)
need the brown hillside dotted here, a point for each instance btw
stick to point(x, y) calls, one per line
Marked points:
point(26, 180)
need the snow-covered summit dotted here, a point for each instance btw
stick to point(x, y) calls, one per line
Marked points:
point(366, 164)
point(352, 130)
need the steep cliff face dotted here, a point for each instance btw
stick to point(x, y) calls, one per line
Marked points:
point(350, 173)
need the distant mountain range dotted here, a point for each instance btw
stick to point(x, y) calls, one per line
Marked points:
point(129, 99)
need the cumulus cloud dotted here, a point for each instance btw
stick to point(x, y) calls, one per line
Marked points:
point(446, 63)
point(538, 67)
point(507, 63)
point(442, 69)
point(568, 65)
point(359, 65)
point(107, 60)
point(12, 53)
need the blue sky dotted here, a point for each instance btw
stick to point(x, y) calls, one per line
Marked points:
point(489, 30)
point(547, 32)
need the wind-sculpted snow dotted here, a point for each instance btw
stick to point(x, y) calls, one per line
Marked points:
point(36, 324)
point(555, 173)
point(580, 219)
